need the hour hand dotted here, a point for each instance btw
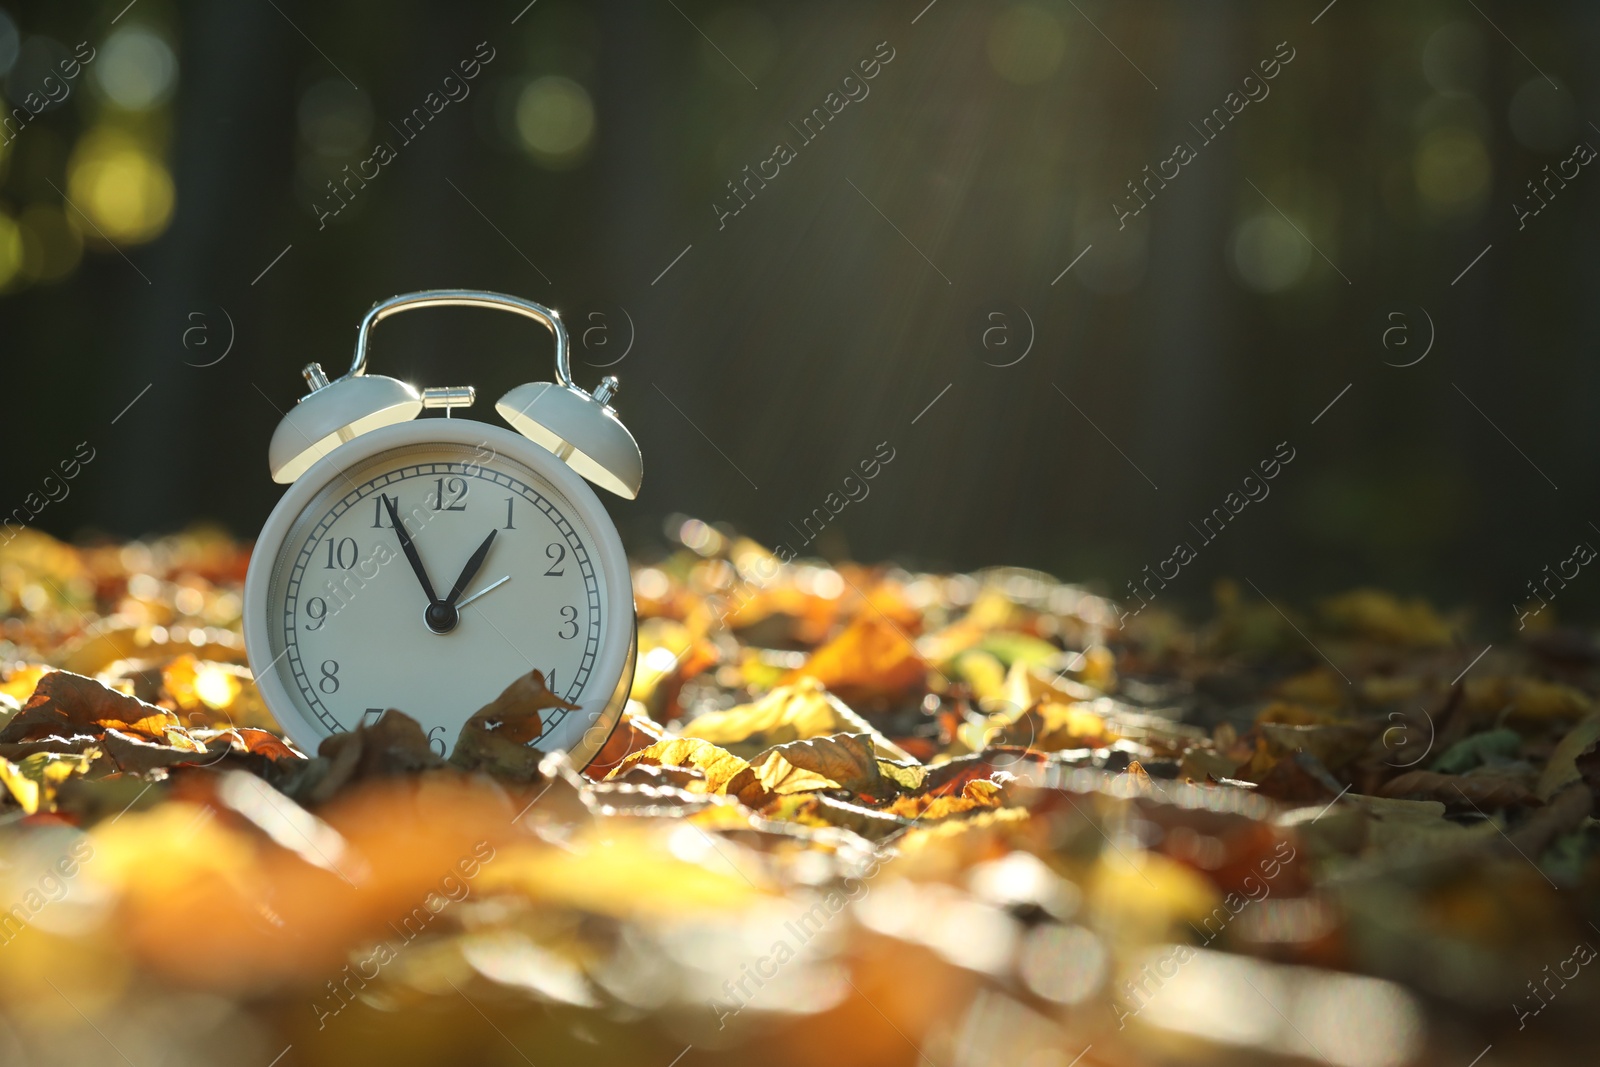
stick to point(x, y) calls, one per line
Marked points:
point(409, 549)
point(470, 571)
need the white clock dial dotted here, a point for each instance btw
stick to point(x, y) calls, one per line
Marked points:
point(352, 629)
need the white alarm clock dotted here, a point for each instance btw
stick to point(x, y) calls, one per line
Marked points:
point(425, 564)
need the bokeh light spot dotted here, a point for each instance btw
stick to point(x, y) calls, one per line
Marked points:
point(135, 68)
point(1268, 254)
point(11, 250)
point(1542, 117)
point(125, 190)
point(1452, 170)
point(555, 121)
point(1066, 964)
point(1026, 44)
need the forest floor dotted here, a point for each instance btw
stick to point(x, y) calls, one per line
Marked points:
point(852, 815)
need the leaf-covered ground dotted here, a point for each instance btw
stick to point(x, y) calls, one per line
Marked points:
point(853, 816)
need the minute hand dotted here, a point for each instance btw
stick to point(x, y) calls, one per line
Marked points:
point(470, 571)
point(410, 550)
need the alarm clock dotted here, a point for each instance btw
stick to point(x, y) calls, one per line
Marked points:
point(424, 564)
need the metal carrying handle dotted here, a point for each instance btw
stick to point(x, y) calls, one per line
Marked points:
point(478, 298)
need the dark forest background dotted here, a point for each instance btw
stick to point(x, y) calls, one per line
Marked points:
point(902, 259)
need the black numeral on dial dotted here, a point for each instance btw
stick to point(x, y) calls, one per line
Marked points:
point(456, 488)
point(317, 612)
point(329, 682)
point(569, 615)
point(341, 551)
point(555, 553)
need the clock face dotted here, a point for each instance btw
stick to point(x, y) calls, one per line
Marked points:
point(511, 579)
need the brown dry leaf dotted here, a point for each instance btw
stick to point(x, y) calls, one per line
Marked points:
point(68, 705)
point(980, 795)
point(496, 738)
point(717, 765)
point(952, 776)
point(686, 778)
point(1297, 778)
point(1480, 790)
point(138, 756)
point(788, 713)
point(255, 742)
point(844, 761)
point(635, 730)
point(394, 745)
point(870, 658)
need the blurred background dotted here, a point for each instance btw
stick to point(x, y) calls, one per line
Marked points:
point(953, 266)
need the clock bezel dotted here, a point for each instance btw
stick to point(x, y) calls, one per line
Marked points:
point(611, 676)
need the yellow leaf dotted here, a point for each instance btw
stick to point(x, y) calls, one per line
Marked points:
point(718, 764)
point(1026, 684)
point(20, 683)
point(979, 795)
point(24, 789)
point(845, 761)
point(1051, 728)
point(788, 713)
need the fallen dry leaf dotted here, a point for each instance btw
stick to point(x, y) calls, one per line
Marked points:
point(496, 738)
point(1467, 790)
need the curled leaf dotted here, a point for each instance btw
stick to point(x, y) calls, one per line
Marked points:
point(844, 761)
point(496, 739)
point(66, 704)
point(717, 765)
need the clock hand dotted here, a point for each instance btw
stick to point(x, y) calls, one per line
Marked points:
point(470, 571)
point(491, 587)
point(409, 549)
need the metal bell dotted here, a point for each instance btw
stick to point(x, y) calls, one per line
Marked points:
point(333, 413)
point(579, 428)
